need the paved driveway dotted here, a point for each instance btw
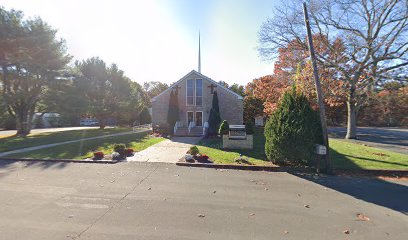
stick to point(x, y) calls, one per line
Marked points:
point(167, 151)
point(162, 201)
point(393, 139)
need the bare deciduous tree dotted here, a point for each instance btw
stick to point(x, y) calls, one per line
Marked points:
point(374, 34)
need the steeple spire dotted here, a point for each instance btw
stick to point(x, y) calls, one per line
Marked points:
point(199, 52)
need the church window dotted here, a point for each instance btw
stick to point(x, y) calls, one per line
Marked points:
point(190, 92)
point(199, 92)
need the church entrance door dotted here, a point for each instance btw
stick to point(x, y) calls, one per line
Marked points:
point(199, 119)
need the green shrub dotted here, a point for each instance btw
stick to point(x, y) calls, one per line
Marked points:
point(144, 116)
point(119, 148)
point(292, 130)
point(214, 119)
point(224, 128)
point(193, 150)
point(249, 128)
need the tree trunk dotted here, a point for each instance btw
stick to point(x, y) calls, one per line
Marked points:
point(102, 123)
point(351, 121)
point(23, 123)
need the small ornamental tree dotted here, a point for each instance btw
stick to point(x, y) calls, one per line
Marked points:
point(224, 128)
point(292, 130)
point(214, 119)
point(144, 116)
point(173, 113)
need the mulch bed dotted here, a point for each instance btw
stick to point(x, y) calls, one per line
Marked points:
point(375, 173)
point(210, 164)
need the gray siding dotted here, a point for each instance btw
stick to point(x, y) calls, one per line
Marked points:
point(231, 108)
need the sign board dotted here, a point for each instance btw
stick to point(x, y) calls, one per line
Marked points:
point(321, 149)
point(259, 121)
point(237, 132)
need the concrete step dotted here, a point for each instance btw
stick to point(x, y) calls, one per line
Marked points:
point(193, 129)
point(194, 132)
point(188, 135)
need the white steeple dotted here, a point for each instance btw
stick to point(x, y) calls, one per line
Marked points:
point(199, 53)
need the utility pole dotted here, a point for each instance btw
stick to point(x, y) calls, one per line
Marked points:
point(320, 96)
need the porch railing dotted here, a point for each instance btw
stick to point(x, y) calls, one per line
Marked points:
point(205, 127)
point(176, 126)
point(190, 126)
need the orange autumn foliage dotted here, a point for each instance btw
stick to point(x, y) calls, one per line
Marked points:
point(388, 107)
point(293, 66)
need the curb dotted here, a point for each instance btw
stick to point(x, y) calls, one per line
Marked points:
point(370, 172)
point(60, 160)
point(229, 166)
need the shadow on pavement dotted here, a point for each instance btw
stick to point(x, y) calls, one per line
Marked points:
point(6, 166)
point(388, 194)
point(186, 140)
point(384, 193)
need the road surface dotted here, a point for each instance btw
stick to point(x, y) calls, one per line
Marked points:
point(393, 139)
point(163, 201)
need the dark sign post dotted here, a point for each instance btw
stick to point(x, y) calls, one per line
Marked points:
point(318, 89)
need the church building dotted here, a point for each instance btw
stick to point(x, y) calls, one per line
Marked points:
point(194, 93)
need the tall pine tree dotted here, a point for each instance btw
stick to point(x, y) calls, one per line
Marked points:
point(214, 119)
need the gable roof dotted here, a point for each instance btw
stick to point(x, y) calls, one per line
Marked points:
point(202, 76)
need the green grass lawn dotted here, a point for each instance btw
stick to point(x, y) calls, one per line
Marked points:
point(344, 154)
point(81, 150)
point(212, 148)
point(349, 155)
point(13, 142)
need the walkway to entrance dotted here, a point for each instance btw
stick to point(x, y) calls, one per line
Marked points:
point(168, 151)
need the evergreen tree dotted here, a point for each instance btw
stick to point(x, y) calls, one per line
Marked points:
point(215, 105)
point(214, 119)
point(292, 130)
point(145, 117)
point(31, 55)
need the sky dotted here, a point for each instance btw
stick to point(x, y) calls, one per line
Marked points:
point(157, 40)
